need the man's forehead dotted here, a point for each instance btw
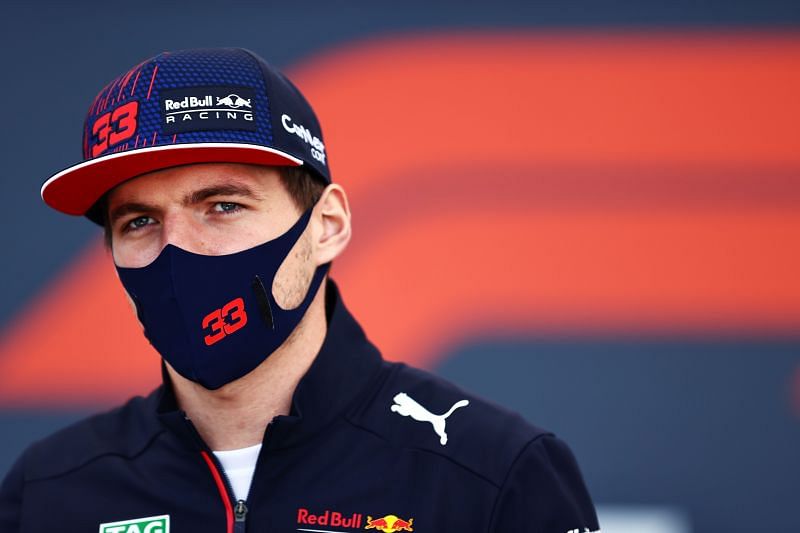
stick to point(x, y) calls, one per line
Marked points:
point(186, 181)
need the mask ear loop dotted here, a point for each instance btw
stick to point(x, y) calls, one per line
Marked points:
point(257, 285)
point(263, 302)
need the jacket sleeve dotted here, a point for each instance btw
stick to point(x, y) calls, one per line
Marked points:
point(544, 492)
point(11, 499)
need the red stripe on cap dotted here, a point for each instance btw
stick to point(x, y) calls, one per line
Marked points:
point(223, 492)
point(94, 103)
point(125, 81)
point(135, 81)
point(155, 70)
point(108, 93)
point(127, 78)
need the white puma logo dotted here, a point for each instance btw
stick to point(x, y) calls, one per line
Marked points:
point(405, 405)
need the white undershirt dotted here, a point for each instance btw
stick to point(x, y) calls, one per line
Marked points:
point(239, 466)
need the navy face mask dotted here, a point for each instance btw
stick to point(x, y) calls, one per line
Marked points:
point(213, 318)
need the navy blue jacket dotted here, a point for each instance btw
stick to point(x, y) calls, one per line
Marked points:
point(361, 450)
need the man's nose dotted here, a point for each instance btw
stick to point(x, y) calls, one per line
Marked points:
point(182, 230)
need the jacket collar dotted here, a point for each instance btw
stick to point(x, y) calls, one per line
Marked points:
point(344, 367)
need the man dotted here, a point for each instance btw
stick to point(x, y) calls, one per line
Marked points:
point(208, 171)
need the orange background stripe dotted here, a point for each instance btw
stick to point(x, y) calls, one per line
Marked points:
point(559, 184)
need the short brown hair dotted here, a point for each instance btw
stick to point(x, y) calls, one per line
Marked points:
point(303, 185)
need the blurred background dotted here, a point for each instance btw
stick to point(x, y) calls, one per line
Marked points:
point(585, 211)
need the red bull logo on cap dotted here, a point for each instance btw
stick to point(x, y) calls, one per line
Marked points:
point(234, 100)
point(207, 108)
point(389, 524)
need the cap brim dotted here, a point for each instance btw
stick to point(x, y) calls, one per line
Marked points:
point(74, 190)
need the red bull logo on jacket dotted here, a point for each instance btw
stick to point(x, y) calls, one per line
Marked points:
point(389, 523)
point(329, 518)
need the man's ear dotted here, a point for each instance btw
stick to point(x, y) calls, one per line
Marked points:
point(332, 224)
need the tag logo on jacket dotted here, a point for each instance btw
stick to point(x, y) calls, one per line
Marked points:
point(405, 405)
point(151, 524)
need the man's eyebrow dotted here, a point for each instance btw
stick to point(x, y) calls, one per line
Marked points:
point(127, 208)
point(228, 189)
point(191, 198)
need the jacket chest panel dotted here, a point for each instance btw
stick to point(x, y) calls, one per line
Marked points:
point(370, 488)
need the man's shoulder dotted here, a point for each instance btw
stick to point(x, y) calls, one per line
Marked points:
point(415, 409)
point(123, 431)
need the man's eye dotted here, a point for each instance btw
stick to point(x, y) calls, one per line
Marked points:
point(226, 207)
point(138, 223)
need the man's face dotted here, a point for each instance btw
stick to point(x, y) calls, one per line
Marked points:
point(209, 209)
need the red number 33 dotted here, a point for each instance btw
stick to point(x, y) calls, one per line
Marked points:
point(222, 322)
point(114, 127)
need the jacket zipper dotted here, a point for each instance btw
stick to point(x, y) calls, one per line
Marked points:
point(239, 506)
point(240, 515)
point(240, 509)
point(235, 510)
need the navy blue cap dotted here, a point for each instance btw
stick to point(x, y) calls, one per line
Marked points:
point(190, 106)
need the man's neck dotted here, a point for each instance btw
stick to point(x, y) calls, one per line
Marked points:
point(236, 415)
